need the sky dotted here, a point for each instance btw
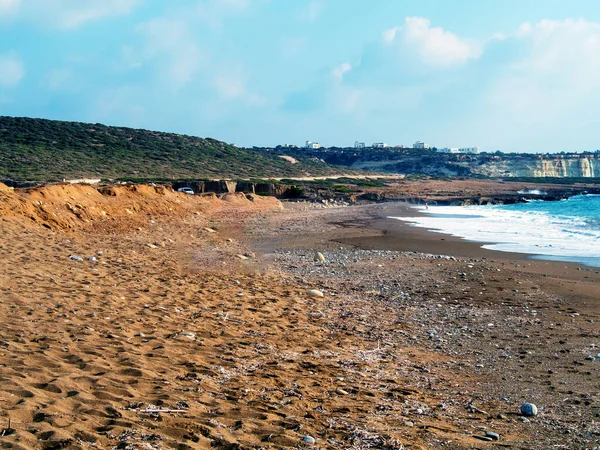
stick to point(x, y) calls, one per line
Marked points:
point(509, 75)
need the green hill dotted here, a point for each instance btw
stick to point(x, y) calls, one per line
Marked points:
point(48, 150)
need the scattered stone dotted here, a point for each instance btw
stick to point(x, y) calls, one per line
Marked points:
point(209, 230)
point(342, 392)
point(314, 293)
point(242, 256)
point(409, 423)
point(319, 257)
point(494, 436)
point(309, 439)
point(590, 358)
point(529, 409)
point(502, 417)
point(524, 419)
point(76, 258)
point(483, 438)
point(151, 246)
point(92, 258)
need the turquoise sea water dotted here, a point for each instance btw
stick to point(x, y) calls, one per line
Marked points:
point(567, 230)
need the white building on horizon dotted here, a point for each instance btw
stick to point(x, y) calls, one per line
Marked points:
point(359, 144)
point(448, 150)
point(465, 150)
point(379, 145)
point(313, 145)
point(469, 150)
point(421, 145)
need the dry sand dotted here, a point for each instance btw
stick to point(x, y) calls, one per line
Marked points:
point(170, 339)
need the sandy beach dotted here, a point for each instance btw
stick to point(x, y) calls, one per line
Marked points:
point(144, 318)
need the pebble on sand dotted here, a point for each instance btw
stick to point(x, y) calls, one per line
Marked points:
point(494, 436)
point(529, 409)
point(76, 258)
point(319, 257)
point(314, 293)
point(309, 439)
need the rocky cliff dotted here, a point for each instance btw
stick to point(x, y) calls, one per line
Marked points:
point(430, 162)
point(560, 166)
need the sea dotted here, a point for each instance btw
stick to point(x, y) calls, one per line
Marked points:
point(566, 230)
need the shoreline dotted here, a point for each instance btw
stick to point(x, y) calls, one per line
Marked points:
point(397, 231)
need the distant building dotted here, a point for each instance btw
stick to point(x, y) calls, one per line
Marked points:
point(420, 144)
point(469, 150)
point(401, 146)
point(313, 145)
point(448, 150)
point(465, 150)
point(379, 145)
point(359, 144)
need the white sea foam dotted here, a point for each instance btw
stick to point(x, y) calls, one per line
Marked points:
point(532, 192)
point(530, 232)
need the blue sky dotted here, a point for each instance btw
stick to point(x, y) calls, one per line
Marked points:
point(509, 75)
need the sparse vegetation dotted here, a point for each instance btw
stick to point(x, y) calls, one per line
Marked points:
point(46, 150)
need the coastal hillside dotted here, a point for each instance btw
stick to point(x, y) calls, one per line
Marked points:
point(431, 162)
point(48, 150)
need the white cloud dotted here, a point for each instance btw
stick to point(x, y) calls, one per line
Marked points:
point(213, 12)
point(552, 86)
point(433, 46)
point(312, 11)
point(291, 47)
point(339, 71)
point(12, 70)
point(57, 79)
point(8, 8)
point(172, 47)
point(389, 35)
point(67, 14)
point(230, 83)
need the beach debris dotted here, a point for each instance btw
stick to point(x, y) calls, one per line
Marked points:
point(92, 258)
point(250, 255)
point(529, 409)
point(158, 410)
point(151, 245)
point(314, 293)
point(209, 230)
point(188, 334)
point(319, 257)
point(76, 258)
point(8, 431)
point(309, 439)
point(590, 358)
point(242, 256)
point(483, 438)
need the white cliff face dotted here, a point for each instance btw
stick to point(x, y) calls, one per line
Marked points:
point(558, 167)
